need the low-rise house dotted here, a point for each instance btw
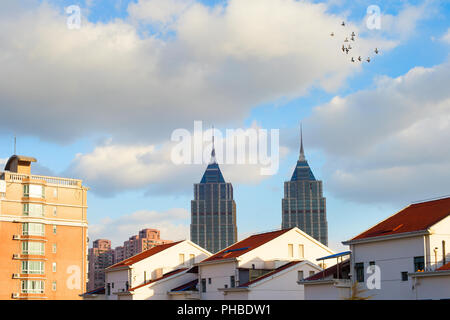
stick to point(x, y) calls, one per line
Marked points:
point(332, 283)
point(142, 275)
point(393, 259)
point(246, 266)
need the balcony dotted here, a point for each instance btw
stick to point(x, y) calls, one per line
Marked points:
point(18, 177)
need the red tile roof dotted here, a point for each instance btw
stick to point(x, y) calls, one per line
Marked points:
point(415, 217)
point(271, 273)
point(331, 271)
point(166, 275)
point(246, 245)
point(444, 267)
point(144, 254)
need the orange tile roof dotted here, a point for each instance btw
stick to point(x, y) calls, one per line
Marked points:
point(331, 271)
point(271, 273)
point(444, 267)
point(246, 245)
point(144, 254)
point(166, 275)
point(415, 217)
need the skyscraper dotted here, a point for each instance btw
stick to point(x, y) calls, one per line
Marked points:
point(213, 210)
point(303, 205)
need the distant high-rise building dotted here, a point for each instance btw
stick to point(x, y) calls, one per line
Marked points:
point(213, 210)
point(303, 205)
point(100, 257)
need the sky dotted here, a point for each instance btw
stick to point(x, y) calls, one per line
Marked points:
point(101, 102)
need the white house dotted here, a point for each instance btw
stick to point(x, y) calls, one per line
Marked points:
point(153, 272)
point(407, 248)
point(262, 266)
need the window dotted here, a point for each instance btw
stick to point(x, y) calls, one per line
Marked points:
point(54, 229)
point(54, 285)
point(54, 248)
point(300, 275)
point(371, 263)
point(232, 282)
point(311, 273)
point(55, 211)
point(32, 286)
point(359, 271)
point(301, 251)
point(33, 229)
point(54, 266)
point(404, 276)
point(32, 267)
point(181, 258)
point(55, 193)
point(209, 280)
point(29, 247)
point(419, 263)
point(290, 250)
point(203, 285)
point(33, 210)
point(108, 289)
point(33, 191)
point(192, 259)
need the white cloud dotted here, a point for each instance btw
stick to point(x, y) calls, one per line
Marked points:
point(388, 144)
point(220, 62)
point(172, 223)
point(446, 36)
point(113, 167)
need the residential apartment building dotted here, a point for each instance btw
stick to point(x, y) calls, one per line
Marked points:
point(411, 251)
point(100, 257)
point(304, 205)
point(43, 234)
point(145, 239)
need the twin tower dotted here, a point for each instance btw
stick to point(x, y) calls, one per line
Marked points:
point(213, 210)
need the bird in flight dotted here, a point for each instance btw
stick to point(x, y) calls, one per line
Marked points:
point(368, 59)
point(359, 58)
point(343, 23)
point(353, 60)
point(332, 34)
point(353, 34)
point(343, 48)
point(346, 40)
point(376, 50)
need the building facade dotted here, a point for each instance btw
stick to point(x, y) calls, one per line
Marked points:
point(213, 210)
point(304, 205)
point(100, 257)
point(43, 234)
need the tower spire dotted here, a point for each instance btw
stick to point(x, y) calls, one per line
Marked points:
point(213, 151)
point(302, 152)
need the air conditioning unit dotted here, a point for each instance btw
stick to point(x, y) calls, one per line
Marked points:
point(16, 237)
point(16, 256)
point(16, 275)
point(15, 295)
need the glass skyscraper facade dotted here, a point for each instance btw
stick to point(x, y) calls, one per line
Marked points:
point(213, 211)
point(303, 204)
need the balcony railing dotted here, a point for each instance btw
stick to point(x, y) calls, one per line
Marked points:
point(18, 177)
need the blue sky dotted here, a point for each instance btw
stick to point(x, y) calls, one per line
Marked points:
point(121, 108)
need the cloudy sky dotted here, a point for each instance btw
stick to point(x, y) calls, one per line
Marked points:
point(101, 102)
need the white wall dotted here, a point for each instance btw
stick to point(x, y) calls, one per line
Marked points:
point(440, 232)
point(393, 257)
point(436, 287)
point(220, 274)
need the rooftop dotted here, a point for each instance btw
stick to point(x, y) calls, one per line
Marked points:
point(143, 255)
point(164, 276)
point(415, 217)
point(445, 267)
point(246, 245)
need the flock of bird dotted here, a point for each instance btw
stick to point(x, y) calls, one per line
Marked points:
point(346, 49)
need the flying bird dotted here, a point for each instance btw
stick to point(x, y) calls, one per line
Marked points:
point(332, 34)
point(376, 50)
point(353, 34)
point(353, 60)
point(368, 59)
point(346, 40)
point(359, 58)
point(343, 23)
point(343, 48)
point(352, 38)
point(349, 46)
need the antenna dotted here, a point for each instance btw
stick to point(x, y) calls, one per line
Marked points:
point(15, 145)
